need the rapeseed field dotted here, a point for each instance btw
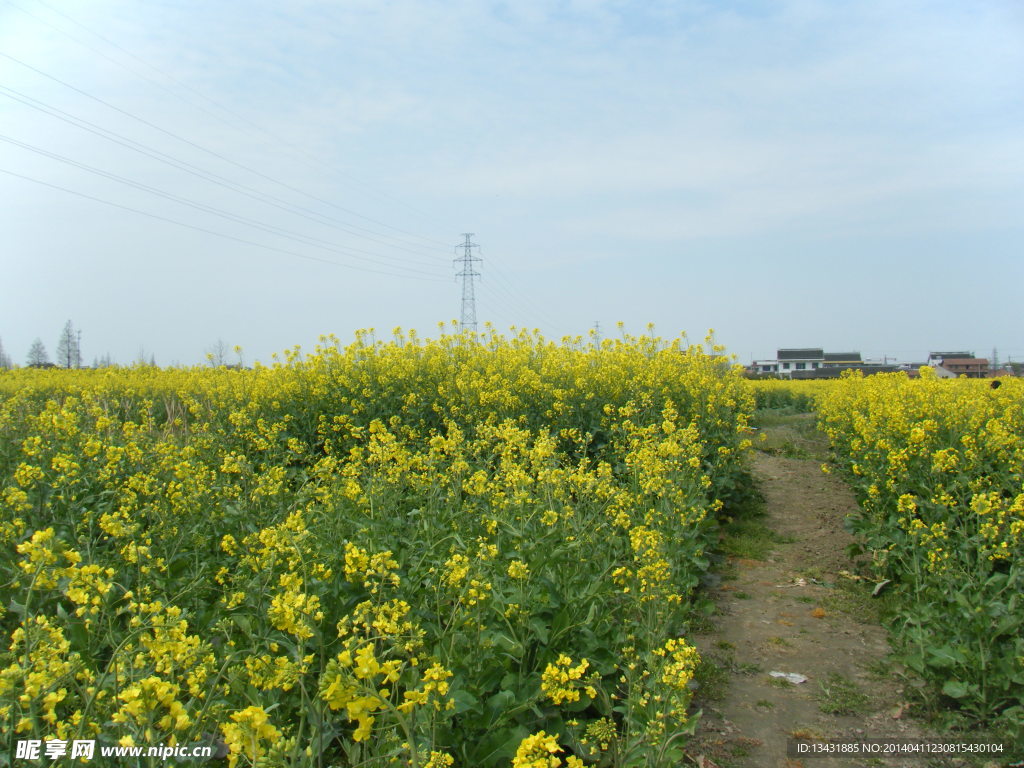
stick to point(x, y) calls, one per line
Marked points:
point(472, 551)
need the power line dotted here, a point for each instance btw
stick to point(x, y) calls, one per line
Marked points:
point(498, 305)
point(512, 303)
point(505, 284)
point(111, 59)
point(191, 143)
point(280, 232)
point(210, 231)
point(237, 117)
point(194, 170)
point(512, 307)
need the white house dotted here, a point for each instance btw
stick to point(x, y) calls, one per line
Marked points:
point(805, 359)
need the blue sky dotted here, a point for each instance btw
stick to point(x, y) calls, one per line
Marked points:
point(838, 174)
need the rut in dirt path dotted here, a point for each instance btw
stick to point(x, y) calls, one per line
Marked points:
point(798, 610)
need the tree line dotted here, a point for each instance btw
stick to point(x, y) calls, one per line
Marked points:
point(69, 354)
point(69, 351)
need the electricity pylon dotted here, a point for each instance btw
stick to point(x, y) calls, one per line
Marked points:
point(468, 321)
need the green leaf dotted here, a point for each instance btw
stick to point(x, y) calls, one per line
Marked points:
point(578, 706)
point(956, 689)
point(946, 656)
point(560, 623)
point(500, 702)
point(498, 746)
point(464, 702)
point(915, 661)
point(964, 603)
point(502, 642)
point(540, 629)
point(1008, 626)
point(78, 634)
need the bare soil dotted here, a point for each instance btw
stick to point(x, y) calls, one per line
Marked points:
point(799, 609)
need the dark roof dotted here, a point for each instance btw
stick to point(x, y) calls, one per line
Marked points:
point(841, 357)
point(800, 354)
point(950, 354)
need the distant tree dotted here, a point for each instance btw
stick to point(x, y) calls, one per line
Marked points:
point(5, 359)
point(103, 361)
point(69, 352)
point(37, 356)
point(141, 359)
point(217, 355)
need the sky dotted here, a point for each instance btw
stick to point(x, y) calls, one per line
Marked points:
point(793, 173)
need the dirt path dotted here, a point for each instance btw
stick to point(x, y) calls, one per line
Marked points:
point(794, 608)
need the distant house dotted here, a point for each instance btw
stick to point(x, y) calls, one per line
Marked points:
point(805, 362)
point(836, 359)
point(960, 364)
point(971, 367)
point(789, 360)
point(936, 358)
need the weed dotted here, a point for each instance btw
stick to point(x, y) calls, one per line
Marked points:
point(712, 679)
point(855, 600)
point(880, 667)
point(793, 436)
point(748, 537)
point(807, 734)
point(746, 668)
point(741, 747)
point(786, 449)
point(841, 696)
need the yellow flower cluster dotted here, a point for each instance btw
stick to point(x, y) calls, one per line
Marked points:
point(434, 689)
point(539, 750)
point(43, 673)
point(350, 681)
point(268, 672)
point(439, 760)
point(601, 732)
point(370, 570)
point(681, 661)
point(561, 681)
point(248, 735)
point(294, 611)
point(152, 701)
point(519, 570)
